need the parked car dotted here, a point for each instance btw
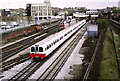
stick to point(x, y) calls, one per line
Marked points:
point(15, 23)
point(6, 26)
point(3, 23)
point(12, 26)
point(3, 26)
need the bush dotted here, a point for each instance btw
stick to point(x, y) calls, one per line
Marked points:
point(55, 14)
point(102, 23)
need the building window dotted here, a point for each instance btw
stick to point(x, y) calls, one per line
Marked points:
point(32, 49)
point(3, 19)
point(11, 19)
point(40, 49)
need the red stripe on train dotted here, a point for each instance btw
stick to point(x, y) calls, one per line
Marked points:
point(38, 55)
point(62, 25)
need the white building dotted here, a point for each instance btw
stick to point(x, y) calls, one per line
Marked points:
point(92, 12)
point(119, 5)
point(41, 10)
point(0, 13)
point(77, 14)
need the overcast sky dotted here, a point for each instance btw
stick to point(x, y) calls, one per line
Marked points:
point(92, 4)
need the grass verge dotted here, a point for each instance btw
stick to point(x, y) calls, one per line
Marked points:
point(108, 65)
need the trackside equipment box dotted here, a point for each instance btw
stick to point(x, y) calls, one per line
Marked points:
point(92, 30)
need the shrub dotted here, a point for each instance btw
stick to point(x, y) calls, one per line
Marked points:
point(102, 23)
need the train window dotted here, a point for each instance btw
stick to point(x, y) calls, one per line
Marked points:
point(74, 28)
point(47, 47)
point(50, 45)
point(32, 49)
point(36, 49)
point(54, 42)
point(40, 49)
point(65, 34)
point(61, 37)
point(57, 40)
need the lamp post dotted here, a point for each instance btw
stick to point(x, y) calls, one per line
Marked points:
point(47, 10)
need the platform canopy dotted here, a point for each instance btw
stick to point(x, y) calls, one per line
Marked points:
point(94, 15)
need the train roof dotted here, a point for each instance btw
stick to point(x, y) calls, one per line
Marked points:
point(55, 36)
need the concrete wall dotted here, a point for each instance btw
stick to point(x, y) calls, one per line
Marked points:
point(16, 19)
point(92, 33)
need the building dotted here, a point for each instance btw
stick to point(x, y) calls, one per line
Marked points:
point(3, 13)
point(80, 15)
point(0, 13)
point(56, 10)
point(92, 30)
point(119, 5)
point(18, 19)
point(92, 12)
point(39, 10)
point(80, 8)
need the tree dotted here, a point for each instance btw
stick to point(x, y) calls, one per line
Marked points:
point(82, 9)
point(21, 14)
point(68, 13)
point(115, 9)
point(102, 23)
point(55, 14)
point(14, 14)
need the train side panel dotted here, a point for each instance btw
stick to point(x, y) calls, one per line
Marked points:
point(50, 46)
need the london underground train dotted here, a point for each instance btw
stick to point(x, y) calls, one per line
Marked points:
point(42, 50)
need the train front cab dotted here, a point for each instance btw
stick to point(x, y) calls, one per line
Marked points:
point(62, 24)
point(37, 52)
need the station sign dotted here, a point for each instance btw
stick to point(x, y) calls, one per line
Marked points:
point(50, 17)
point(36, 18)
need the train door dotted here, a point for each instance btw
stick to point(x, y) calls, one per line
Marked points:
point(37, 49)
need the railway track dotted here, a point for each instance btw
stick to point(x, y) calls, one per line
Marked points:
point(24, 74)
point(29, 38)
point(7, 65)
point(115, 26)
point(88, 72)
point(27, 43)
point(52, 71)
